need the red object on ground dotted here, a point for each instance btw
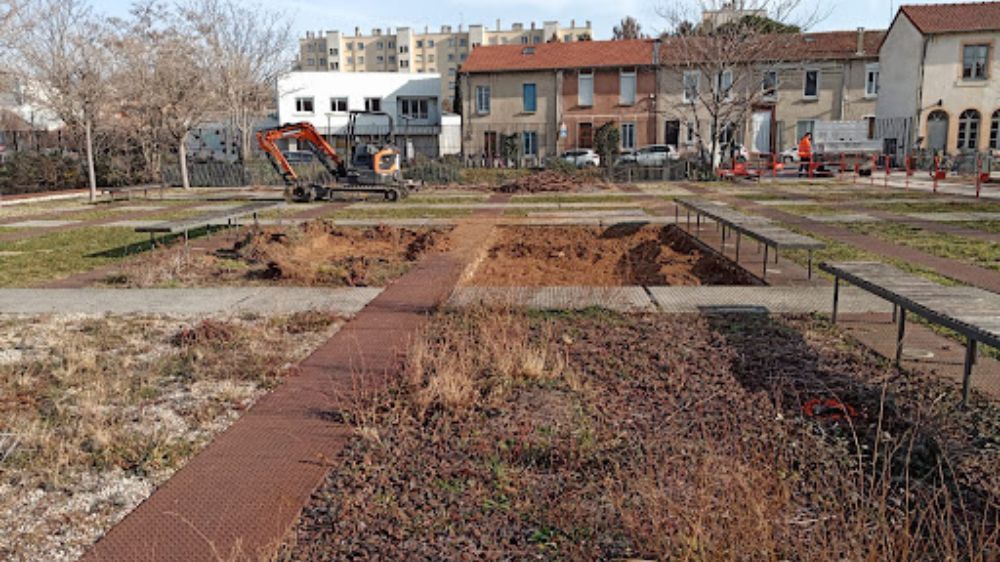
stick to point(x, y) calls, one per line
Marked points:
point(829, 409)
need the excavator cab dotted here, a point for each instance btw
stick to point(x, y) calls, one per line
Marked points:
point(373, 168)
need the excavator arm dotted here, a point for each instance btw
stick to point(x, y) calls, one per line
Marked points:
point(304, 133)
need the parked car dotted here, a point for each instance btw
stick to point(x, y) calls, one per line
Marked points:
point(656, 155)
point(790, 155)
point(582, 157)
point(626, 156)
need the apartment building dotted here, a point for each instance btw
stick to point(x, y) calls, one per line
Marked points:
point(554, 96)
point(427, 51)
point(940, 81)
point(412, 112)
point(832, 76)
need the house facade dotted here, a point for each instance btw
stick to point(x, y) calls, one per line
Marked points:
point(833, 76)
point(409, 102)
point(940, 87)
point(554, 96)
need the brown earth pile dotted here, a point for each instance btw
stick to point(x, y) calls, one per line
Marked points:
point(319, 253)
point(593, 256)
point(546, 181)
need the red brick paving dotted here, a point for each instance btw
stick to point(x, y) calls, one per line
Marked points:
point(241, 494)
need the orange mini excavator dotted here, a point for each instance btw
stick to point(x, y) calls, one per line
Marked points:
point(373, 169)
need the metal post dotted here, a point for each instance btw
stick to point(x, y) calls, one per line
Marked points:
point(723, 239)
point(895, 311)
point(738, 236)
point(836, 297)
point(900, 332)
point(809, 269)
point(970, 359)
point(775, 255)
point(677, 213)
point(698, 222)
point(689, 218)
point(765, 262)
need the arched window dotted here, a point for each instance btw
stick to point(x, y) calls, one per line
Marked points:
point(937, 131)
point(968, 130)
point(995, 130)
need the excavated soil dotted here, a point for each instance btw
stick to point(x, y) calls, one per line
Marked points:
point(313, 254)
point(527, 256)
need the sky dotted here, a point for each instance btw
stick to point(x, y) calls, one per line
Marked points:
point(317, 15)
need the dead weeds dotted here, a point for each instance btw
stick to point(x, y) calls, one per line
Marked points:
point(596, 436)
point(106, 409)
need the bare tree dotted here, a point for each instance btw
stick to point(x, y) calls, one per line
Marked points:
point(629, 28)
point(723, 63)
point(65, 60)
point(249, 46)
point(164, 78)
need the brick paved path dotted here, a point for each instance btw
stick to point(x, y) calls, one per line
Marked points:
point(242, 493)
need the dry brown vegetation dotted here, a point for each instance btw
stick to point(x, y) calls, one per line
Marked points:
point(600, 437)
point(625, 254)
point(106, 409)
point(314, 253)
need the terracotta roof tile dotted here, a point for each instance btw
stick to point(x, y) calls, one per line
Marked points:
point(952, 18)
point(830, 45)
point(547, 56)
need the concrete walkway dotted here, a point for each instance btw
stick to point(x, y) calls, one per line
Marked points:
point(185, 302)
point(675, 300)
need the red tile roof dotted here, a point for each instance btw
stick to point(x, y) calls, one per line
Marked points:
point(931, 19)
point(549, 56)
point(830, 45)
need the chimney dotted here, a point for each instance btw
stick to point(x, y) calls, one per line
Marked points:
point(357, 32)
point(572, 24)
point(861, 40)
point(532, 26)
point(657, 45)
point(498, 24)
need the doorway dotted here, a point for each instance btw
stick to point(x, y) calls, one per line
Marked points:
point(760, 141)
point(937, 131)
point(672, 135)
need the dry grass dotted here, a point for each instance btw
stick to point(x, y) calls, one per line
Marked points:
point(106, 409)
point(598, 436)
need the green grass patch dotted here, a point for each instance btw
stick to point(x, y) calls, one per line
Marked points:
point(803, 210)
point(59, 254)
point(985, 226)
point(968, 250)
point(491, 176)
point(432, 199)
point(937, 207)
point(608, 211)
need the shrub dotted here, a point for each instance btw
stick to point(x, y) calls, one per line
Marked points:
point(559, 165)
point(27, 172)
point(445, 170)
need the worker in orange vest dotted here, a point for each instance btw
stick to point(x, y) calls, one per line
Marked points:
point(805, 153)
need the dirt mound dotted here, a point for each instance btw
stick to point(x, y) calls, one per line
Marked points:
point(548, 180)
point(593, 256)
point(319, 253)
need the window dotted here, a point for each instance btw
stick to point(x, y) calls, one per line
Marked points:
point(361, 46)
point(692, 85)
point(404, 49)
point(628, 136)
point(390, 45)
point(334, 66)
point(379, 45)
point(567, 38)
point(451, 42)
point(974, 62)
point(451, 57)
point(413, 108)
point(430, 58)
point(350, 46)
point(338, 105)
point(304, 105)
point(626, 87)
point(350, 60)
point(392, 58)
point(724, 84)
point(451, 72)
point(322, 61)
point(524, 39)
point(803, 127)
point(373, 104)
point(530, 143)
point(430, 43)
point(334, 52)
point(995, 130)
point(585, 87)
point(871, 81)
point(311, 61)
point(463, 42)
point(529, 98)
point(420, 44)
point(585, 135)
point(769, 85)
point(380, 58)
point(361, 60)
point(482, 100)
point(690, 135)
point(810, 87)
point(968, 130)
point(463, 56)
point(403, 63)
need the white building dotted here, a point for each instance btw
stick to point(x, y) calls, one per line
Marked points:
point(940, 79)
point(413, 121)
